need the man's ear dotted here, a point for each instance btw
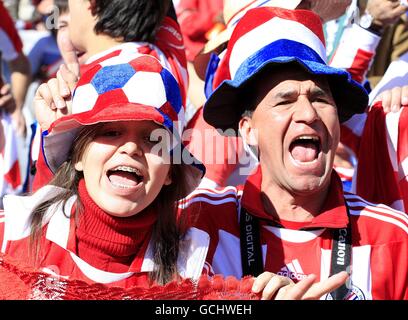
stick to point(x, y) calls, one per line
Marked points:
point(247, 132)
point(92, 6)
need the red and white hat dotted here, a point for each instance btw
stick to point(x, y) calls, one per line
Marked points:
point(265, 37)
point(122, 90)
point(233, 11)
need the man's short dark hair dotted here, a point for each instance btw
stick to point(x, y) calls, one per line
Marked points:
point(130, 20)
point(62, 5)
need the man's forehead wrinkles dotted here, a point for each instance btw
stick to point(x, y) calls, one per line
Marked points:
point(293, 89)
point(287, 93)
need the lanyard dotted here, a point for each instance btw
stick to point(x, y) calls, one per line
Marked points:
point(251, 252)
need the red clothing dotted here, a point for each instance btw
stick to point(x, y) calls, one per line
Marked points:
point(220, 154)
point(10, 41)
point(98, 248)
point(196, 18)
point(379, 238)
point(110, 243)
point(379, 140)
point(43, 174)
point(10, 175)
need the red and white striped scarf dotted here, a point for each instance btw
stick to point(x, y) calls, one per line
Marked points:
point(382, 150)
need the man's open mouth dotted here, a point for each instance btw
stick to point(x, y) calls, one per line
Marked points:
point(305, 148)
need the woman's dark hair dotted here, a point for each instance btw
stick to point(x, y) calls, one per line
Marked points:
point(168, 230)
point(130, 20)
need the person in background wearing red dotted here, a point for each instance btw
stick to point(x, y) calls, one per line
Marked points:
point(199, 21)
point(19, 68)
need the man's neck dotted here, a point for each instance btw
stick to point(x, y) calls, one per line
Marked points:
point(99, 44)
point(286, 206)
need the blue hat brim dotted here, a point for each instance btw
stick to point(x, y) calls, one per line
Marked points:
point(225, 106)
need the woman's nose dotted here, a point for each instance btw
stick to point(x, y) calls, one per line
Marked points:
point(131, 148)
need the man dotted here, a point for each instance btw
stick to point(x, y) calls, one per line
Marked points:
point(211, 66)
point(98, 32)
point(12, 53)
point(292, 217)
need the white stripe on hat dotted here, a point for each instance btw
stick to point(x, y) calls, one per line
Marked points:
point(181, 123)
point(284, 4)
point(269, 32)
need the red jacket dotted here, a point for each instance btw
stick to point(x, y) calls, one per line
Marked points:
point(379, 268)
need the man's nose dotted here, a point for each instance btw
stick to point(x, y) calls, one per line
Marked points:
point(305, 111)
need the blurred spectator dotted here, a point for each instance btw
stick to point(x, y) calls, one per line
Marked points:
point(12, 7)
point(386, 20)
point(196, 19)
point(18, 65)
point(199, 21)
point(371, 22)
point(10, 177)
point(45, 56)
point(42, 10)
point(2, 139)
point(393, 44)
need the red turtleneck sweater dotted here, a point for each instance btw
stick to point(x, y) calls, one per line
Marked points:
point(110, 243)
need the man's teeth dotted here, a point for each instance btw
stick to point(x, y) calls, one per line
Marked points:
point(314, 138)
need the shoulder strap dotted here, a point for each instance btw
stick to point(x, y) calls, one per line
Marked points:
point(251, 249)
point(341, 257)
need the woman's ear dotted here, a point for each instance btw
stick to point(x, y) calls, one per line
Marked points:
point(79, 166)
point(248, 133)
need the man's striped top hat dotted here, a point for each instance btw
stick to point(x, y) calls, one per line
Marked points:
point(270, 36)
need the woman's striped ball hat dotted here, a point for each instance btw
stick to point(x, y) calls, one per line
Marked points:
point(122, 90)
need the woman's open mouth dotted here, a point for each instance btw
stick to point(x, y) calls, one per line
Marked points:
point(125, 177)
